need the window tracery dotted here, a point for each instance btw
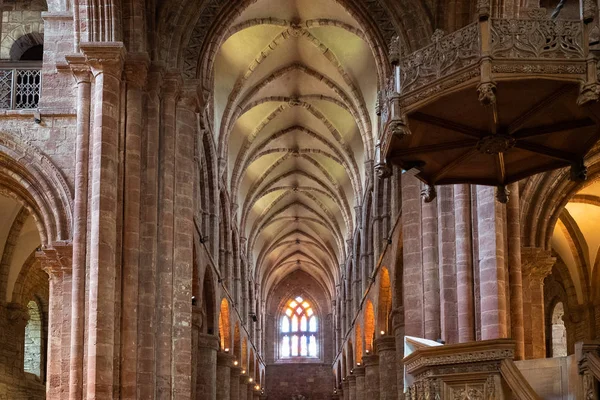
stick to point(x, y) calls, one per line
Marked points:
point(299, 328)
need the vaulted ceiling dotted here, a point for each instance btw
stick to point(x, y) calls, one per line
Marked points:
point(576, 238)
point(295, 85)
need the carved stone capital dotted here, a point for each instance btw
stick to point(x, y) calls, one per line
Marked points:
point(155, 79)
point(189, 97)
point(370, 360)
point(137, 66)
point(428, 193)
point(225, 359)
point(56, 260)
point(171, 88)
point(385, 343)
point(359, 371)
point(79, 67)
point(536, 263)
point(105, 57)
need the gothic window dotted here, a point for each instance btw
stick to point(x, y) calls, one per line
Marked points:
point(299, 328)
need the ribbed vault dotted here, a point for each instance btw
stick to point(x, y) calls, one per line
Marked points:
point(294, 95)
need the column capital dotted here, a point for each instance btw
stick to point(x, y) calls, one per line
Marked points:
point(359, 371)
point(79, 68)
point(155, 78)
point(137, 66)
point(235, 371)
point(244, 379)
point(208, 341)
point(104, 57)
point(385, 343)
point(225, 359)
point(171, 88)
point(351, 378)
point(536, 263)
point(370, 360)
point(56, 259)
point(189, 97)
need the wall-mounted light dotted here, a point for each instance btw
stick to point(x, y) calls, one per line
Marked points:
point(235, 363)
point(243, 371)
point(226, 349)
point(250, 380)
point(358, 364)
point(382, 333)
point(367, 351)
point(257, 387)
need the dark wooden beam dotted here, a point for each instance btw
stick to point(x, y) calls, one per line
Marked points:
point(553, 128)
point(449, 125)
point(547, 151)
point(538, 108)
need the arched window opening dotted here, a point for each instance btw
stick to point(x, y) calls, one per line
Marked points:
point(299, 329)
point(33, 340)
point(559, 332)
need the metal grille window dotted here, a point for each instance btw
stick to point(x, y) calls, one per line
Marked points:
point(20, 88)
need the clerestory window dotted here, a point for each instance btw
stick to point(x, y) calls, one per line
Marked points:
point(299, 329)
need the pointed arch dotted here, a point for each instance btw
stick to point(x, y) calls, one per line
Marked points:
point(224, 325)
point(369, 326)
point(384, 305)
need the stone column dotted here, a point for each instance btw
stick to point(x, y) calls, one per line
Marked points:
point(165, 242)
point(106, 62)
point(135, 72)
point(492, 277)
point(431, 273)
point(224, 365)
point(250, 389)
point(536, 265)
point(206, 380)
point(359, 372)
point(447, 264)
point(352, 386)
point(371, 362)
point(464, 264)
point(398, 324)
point(234, 383)
point(412, 282)
point(243, 387)
point(386, 350)
point(83, 77)
point(148, 241)
point(58, 269)
point(515, 276)
point(183, 213)
point(346, 389)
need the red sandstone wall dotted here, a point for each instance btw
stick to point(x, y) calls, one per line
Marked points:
point(313, 381)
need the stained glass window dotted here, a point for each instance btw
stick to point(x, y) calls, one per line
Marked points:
point(298, 320)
